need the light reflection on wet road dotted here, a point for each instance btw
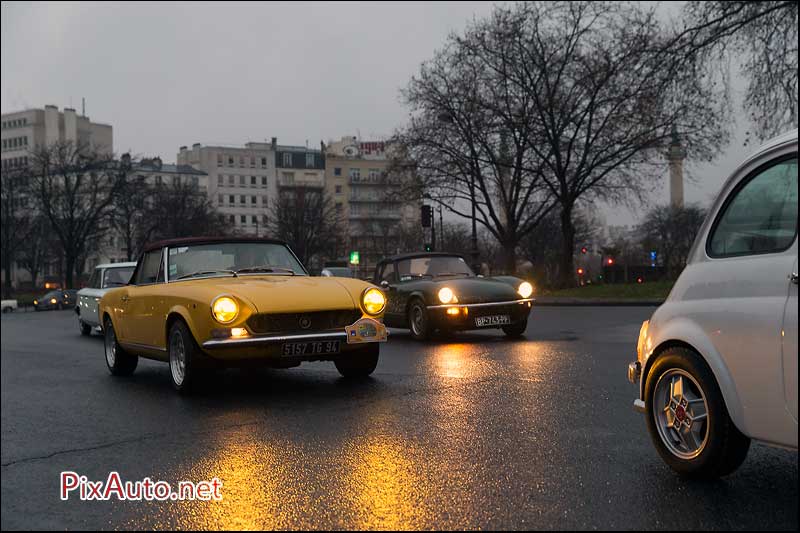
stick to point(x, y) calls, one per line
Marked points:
point(469, 432)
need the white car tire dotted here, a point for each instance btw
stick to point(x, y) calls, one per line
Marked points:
point(687, 417)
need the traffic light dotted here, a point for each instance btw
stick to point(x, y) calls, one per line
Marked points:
point(427, 247)
point(584, 249)
point(354, 257)
point(580, 272)
point(427, 216)
point(610, 261)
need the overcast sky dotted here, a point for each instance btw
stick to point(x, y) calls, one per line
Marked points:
point(165, 75)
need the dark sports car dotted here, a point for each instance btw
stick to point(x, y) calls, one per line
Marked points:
point(431, 291)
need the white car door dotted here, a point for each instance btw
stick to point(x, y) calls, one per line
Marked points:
point(789, 341)
point(739, 294)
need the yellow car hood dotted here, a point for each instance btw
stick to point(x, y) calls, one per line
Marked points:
point(285, 294)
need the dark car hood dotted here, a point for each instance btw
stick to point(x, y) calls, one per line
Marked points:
point(478, 290)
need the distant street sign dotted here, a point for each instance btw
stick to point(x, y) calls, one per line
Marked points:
point(354, 257)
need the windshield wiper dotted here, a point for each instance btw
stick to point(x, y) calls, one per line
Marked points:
point(266, 268)
point(204, 272)
point(452, 274)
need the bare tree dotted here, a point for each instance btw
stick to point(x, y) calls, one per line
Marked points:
point(176, 209)
point(129, 213)
point(15, 219)
point(670, 231)
point(762, 37)
point(75, 186)
point(39, 248)
point(469, 136)
point(543, 246)
point(550, 103)
point(307, 220)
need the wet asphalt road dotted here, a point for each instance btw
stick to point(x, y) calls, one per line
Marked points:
point(471, 432)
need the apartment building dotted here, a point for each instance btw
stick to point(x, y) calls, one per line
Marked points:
point(368, 197)
point(21, 132)
point(241, 180)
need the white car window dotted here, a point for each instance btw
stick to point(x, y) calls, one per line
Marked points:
point(761, 215)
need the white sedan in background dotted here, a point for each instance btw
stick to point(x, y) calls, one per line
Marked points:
point(717, 362)
point(106, 276)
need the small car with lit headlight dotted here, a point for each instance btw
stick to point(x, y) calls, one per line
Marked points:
point(430, 291)
point(716, 364)
point(205, 303)
point(58, 299)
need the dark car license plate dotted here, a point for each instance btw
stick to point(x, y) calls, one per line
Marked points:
point(493, 320)
point(311, 348)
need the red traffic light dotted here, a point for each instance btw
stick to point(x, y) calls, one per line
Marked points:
point(610, 261)
point(639, 280)
point(584, 250)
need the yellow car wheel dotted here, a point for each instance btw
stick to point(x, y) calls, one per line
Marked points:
point(184, 359)
point(118, 361)
point(359, 363)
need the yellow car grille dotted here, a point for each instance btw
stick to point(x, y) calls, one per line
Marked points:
point(264, 323)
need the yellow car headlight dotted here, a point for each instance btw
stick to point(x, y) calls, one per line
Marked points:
point(447, 296)
point(373, 301)
point(641, 344)
point(225, 309)
point(525, 289)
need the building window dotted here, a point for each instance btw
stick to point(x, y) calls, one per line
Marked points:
point(231, 199)
point(253, 200)
point(338, 189)
point(195, 181)
point(252, 181)
point(337, 171)
point(158, 180)
point(264, 219)
point(287, 160)
point(219, 160)
point(355, 174)
point(244, 219)
point(176, 180)
point(242, 200)
point(374, 174)
point(220, 180)
point(254, 220)
point(221, 200)
point(241, 181)
point(232, 219)
point(263, 162)
point(241, 161)
point(263, 181)
point(230, 180)
point(338, 207)
point(252, 162)
point(309, 160)
point(230, 160)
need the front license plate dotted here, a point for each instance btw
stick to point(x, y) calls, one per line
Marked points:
point(494, 320)
point(311, 348)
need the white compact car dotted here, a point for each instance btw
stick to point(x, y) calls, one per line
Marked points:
point(717, 362)
point(105, 277)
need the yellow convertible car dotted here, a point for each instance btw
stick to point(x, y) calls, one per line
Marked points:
point(205, 303)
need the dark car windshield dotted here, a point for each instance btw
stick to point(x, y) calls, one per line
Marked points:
point(433, 266)
point(116, 277)
point(230, 258)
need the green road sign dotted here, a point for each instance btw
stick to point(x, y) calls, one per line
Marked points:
point(354, 258)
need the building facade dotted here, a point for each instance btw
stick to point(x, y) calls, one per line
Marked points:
point(241, 181)
point(369, 197)
point(22, 132)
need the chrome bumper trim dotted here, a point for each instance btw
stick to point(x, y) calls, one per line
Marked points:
point(275, 339)
point(638, 405)
point(487, 304)
point(634, 372)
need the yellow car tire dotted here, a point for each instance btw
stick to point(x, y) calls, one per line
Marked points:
point(359, 363)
